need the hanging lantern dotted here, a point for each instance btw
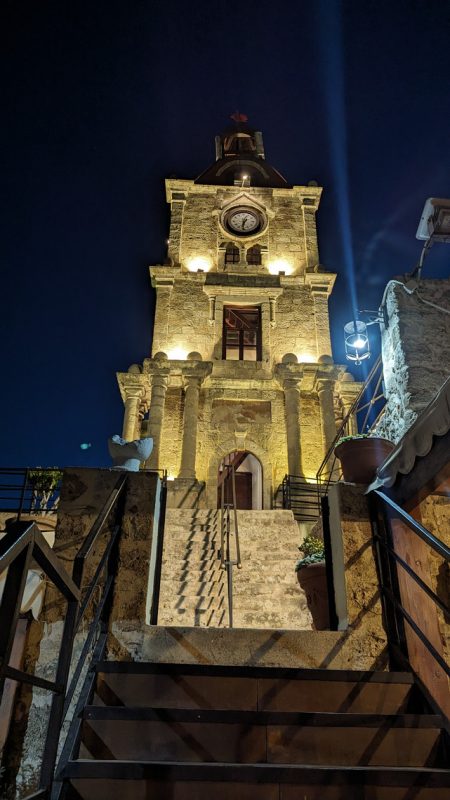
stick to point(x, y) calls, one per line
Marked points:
point(357, 347)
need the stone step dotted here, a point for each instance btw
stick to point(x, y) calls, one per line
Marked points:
point(193, 601)
point(269, 549)
point(193, 587)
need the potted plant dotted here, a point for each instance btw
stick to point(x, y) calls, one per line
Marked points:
point(311, 575)
point(44, 485)
point(361, 455)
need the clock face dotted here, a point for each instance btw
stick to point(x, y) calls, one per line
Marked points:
point(243, 221)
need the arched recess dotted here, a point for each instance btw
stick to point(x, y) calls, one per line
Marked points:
point(248, 480)
point(222, 450)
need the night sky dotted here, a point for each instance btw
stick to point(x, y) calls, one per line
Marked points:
point(103, 100)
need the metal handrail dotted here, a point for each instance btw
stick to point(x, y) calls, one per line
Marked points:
point(325, 472)
point(389, 587)
point(22, 543)
point(429, 538)
point(17, 494)
point(226, 509)
point(302, 497)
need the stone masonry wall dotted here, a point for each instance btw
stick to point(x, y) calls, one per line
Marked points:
point(290, 233)
point(182, 320)
point(228, 418)
point(416, 352)
point(435, 512)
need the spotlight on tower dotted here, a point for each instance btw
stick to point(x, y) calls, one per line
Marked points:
point(357, 345)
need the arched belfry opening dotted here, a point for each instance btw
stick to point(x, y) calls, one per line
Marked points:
point(248, 479)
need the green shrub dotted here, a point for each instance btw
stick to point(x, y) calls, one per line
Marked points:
point(313, 552)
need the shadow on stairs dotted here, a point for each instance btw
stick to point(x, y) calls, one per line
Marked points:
point(205, 732)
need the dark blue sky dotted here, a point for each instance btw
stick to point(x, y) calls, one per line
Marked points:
point(104, 99)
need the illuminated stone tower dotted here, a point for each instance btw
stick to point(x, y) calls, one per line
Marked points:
point(241, 363)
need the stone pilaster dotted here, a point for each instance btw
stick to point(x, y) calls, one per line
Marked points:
point(156, 415)
point(193, 376)
point(327, 418)
point(321, 284)
point(189, 446)
point(292, 408)
point(176, 227)
point(163, 285)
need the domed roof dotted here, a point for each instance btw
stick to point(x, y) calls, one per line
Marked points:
point(240, 159)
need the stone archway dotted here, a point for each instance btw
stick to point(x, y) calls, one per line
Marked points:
point(222, 450)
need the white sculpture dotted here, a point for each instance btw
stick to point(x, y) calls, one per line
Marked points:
point(128, 455)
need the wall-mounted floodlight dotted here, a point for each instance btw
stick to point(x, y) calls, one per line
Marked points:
point(357, 346)
point(435, 220)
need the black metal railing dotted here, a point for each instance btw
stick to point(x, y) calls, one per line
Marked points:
point(301, 496)
point(29, 490)
point(23, 544)
point(363, 416)
point(389, 562)
point(159, 550)
point(229, 531)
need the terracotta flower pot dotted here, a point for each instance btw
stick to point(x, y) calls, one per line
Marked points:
point(360, 458)
point(313, 581)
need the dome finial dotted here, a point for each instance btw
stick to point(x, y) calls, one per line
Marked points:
point(238, 117)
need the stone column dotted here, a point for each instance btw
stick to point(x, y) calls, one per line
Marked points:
point(325, 392)
point(156, 415)
point(292, 407)
point(131, 416)
point(189, 446)
point(321, 320)
point(273, 308)
point(347, 402)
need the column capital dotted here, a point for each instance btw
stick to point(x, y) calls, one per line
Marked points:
point(196, 371)
point(289, 372)
point(324, 385)
point(291, 383)
point(132, 385)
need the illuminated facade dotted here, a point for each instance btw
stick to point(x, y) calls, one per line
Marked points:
point(241, 357)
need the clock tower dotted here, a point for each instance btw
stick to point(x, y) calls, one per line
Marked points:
point(241, 357)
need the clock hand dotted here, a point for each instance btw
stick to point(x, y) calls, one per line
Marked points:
point(244, 222)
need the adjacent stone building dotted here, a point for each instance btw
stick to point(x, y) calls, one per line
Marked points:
point(415, 349)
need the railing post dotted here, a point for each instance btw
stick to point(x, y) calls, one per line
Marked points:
point(10, 606)
point(22, 496)
point(332, 615)
point(159, 552)
point(388, 579)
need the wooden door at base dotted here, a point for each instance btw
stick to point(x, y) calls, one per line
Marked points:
point(243, 491)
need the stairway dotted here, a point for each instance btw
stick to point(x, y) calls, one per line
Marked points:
point(193, 583)
point(265, 591)
point(203, 732)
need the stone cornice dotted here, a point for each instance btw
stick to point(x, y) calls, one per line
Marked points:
point(178, 189)
point(320, 283)
point(265, 292)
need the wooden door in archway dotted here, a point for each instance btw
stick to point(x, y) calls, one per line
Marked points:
point(243, 481)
